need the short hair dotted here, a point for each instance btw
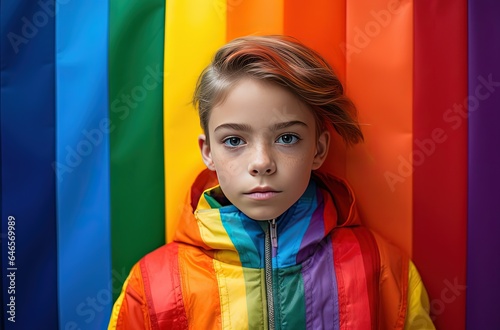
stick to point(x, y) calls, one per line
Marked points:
point(287, 62)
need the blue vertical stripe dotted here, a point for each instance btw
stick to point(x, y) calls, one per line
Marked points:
point(297, 228)
point(243, 231)
point(27, 152)
point(85, 291)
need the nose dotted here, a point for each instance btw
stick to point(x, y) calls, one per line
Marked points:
point(261, 162)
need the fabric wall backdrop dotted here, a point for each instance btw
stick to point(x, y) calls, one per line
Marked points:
point(98, 139)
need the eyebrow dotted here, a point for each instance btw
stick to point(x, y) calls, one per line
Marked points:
point(287, 124)
point(233, 126)
point(247, 128)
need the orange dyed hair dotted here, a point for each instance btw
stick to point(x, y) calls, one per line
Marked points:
point(288, 63)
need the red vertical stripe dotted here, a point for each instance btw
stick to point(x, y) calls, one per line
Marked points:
point(440, 155)
point(351, 281)
point(371, 261)
point(161, 271)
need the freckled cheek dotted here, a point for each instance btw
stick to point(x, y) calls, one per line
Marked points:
point(227, 170)
point(299, 153)
point(296, 162)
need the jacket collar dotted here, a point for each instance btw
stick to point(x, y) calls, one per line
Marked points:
point(230, 236)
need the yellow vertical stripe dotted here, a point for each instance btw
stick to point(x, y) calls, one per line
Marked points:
point(214, 235)
point(194, 30)
point(232, 291)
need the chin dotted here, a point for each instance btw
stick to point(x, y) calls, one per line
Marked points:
point(262, 216)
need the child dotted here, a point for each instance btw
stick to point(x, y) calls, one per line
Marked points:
point(277, 244)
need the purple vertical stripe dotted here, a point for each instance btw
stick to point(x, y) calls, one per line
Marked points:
point(483, 264)
point(315, 230)
point(322, 307)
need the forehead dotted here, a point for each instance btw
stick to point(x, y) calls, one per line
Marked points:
point(259, 103)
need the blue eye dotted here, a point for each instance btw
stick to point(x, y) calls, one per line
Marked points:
point(233, 141)
point(288, 139)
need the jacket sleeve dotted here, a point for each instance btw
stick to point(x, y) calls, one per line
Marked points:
point(417, 316)
point(131, 310)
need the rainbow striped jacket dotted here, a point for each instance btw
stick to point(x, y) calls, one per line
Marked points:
point(315, 267)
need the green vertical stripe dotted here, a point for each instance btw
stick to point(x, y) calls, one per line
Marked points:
point(136, 41)
point(291, 312)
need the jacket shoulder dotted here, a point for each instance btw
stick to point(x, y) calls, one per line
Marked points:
point(393, 284)
point(385, 274)
point(152, 296)
point(162, 287)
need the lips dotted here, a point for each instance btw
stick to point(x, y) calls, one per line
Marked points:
point(262, 193)
point(262, 189)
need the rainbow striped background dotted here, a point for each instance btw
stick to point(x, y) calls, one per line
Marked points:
point(98, 139)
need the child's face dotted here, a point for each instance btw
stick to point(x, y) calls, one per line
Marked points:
point(263, 146)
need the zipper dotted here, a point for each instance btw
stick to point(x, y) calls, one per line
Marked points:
point(274, 233)
point(271, 241)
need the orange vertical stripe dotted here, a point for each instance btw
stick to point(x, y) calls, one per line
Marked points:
point(379, 57)
point(256, 17)
point(321, 26)
point(201, 310)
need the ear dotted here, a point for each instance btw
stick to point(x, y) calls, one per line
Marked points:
point(206, 153)
point(321, 149)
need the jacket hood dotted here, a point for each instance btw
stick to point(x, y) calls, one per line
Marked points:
point(230, 236)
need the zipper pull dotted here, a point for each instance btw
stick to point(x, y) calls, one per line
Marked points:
point(274, 233)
